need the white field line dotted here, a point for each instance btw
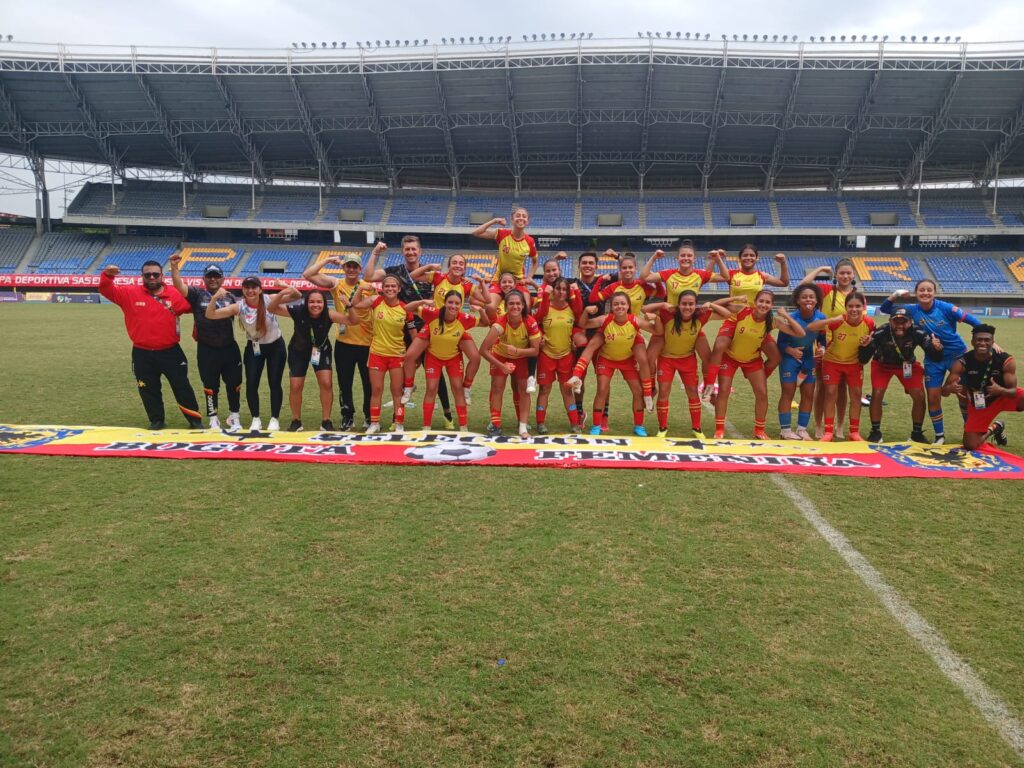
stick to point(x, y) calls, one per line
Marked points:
point(989, 703)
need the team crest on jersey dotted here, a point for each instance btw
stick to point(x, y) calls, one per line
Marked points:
point(944, 459)
point(13, 438)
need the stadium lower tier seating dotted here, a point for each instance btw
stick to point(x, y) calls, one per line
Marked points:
point(14, 244)
point(66, 253)
point(130, 253)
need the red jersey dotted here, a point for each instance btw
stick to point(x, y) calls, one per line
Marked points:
point(512, 253)
point(151, 321)
point(638, 293)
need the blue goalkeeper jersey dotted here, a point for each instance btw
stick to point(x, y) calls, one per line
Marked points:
point(939, 321)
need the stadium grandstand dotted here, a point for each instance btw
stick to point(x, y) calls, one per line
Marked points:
point(900, 156)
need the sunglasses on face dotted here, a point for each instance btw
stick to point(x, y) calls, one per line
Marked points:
point(152, 274)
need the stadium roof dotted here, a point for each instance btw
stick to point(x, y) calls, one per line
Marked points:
point(595, 113)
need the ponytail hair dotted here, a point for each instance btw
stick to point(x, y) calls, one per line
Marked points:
point(261, 307)
point(769, 320)
point(858, 296)
point(840, 264)
point(677, 322)
point(440, 317)
point(522, 298)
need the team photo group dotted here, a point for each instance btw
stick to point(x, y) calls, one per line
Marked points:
point(543, 335)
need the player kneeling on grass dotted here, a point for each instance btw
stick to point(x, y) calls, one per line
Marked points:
point(619, 346)
point(850, 331)
point(986, 379)
point(443, 338)
point(747, 335)
point(891, 352)
point(513, 338)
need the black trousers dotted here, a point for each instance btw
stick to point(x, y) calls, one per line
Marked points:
point(148, 366)
point(216, 363)
point(348, 358)
point(273, 357)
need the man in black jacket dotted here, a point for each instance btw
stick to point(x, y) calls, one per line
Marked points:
point(891, 352)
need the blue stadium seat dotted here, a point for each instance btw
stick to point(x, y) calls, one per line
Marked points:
point(297, 259)
point(723, 205)
point(67, 253)
point(859, 208)
point(627, 205)
point(674, 211)
point(13, 245)
point(971, 274)
point(429, 210)
point(805, 211)
point(130, 253)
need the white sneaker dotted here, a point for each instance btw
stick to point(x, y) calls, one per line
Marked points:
point(214, 423)
point(257, 425)
point(940, 440)
point(803, 434)
point(373, 429)
point(234, 423)
point(398, 429)
point(576, 383)
point(649, 403)
point(273, 426)
point(789, 434)
point(468, 394)
point(407, 394)
point(531, 385)
point(524, 431)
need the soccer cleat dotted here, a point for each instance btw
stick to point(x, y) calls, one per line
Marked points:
point(595, 430)
point(493, 430)
point(346, 423)
point(295, 426)
point(326, 425)
point(449, 424)
point(640, 431)
point(576, 429)
point(542, 429)
point(874, 436)
point(999, 432)
point(214, 423)
point(760, 434)
point(604, 428)
point(463, 429)
point(720, 434)
point(917, 436)
point(699, 435)
point(234, 424)
point(195, 423)
point(865, 400)
point(855, 437)
point(939, 440)
point(398, 429)
point(257, 425)
point(662, 433)
point(156, 425)
point(576, 383)
point(524, 433)
point(531, 385)
point(273, 426)
point(468, 394)
point(803, 434)
point(788, 434)
point(649, 403)
point(827, 437)
point(406, 394)
point(373, 428)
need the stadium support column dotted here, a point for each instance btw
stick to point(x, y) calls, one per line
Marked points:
point(42, 196)
point(709, 152)
point(995, 193)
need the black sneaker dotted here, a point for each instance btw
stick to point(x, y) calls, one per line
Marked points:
point(155, 425)
point(918, 436)
point(493, 430)
point(295, 426)
point(875, 436)
point(999, 432)
point(326, 425)
point(346, 424)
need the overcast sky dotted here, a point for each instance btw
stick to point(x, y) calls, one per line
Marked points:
point(279, 23)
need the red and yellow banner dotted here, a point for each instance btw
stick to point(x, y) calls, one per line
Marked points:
point(560, 451)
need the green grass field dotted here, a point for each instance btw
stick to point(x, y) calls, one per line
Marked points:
point(250, 613)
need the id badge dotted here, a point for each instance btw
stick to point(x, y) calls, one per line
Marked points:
point(256, 349)
point(342, 328)
point(315, 357)
point(979, 400)
point(908, 370)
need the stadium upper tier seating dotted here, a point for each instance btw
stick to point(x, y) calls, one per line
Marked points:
point(806, 211)
point(674, 211)
point(14, 244)
point(974, 275)
point(66, 253)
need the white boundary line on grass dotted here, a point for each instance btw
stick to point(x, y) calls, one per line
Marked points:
point(989, 703)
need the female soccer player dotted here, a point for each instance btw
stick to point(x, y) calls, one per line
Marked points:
point(310, 344)
point(559, 314)
point(513, 338)
point(681, 328)
point(850, 331)
point(746, 335)
point(264, 347)
point(939, 318)
point(453, 280)
point(619, 346)
point(388, 316)
point(637, 292)
point(798, 358)
point(515, 249)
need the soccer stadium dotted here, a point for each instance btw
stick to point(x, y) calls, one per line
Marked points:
point(354, 599)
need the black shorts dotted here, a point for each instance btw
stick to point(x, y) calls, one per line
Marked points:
point(298, 361)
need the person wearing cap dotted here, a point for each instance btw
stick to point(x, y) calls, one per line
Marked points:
point(352, 345)
point(891, 350)
point(216, 350)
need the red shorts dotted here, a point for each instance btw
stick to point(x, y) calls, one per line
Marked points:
point(384, 363)
point(834, 373)
point(433, 366)
point(729, 366)
point(550, 368)
point(979, 420)
point(686, 367)
point(627, 368)
point(522, 370)
point(881, 374)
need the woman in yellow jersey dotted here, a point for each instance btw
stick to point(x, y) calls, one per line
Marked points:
point(680, 328)
point(559, 314)
point(619, 346)
point(444, 336)
point(388, 318)
point(513, 338)
point(627, 283)
point(848, 333)
point(746, 335)
point(506, 285)
point(747, 281)
point(833, 304)
point(453, 280)
point(515, 250)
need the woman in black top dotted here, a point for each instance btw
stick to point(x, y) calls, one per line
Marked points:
point(310, 345)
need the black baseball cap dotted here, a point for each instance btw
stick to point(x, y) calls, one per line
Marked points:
point(212, 270)
point(899, 312)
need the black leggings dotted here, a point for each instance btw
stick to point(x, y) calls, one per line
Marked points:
point(347, 359)
point(216, 363)
point(274, 357)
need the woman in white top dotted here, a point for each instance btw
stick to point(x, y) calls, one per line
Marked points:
point(264, 347)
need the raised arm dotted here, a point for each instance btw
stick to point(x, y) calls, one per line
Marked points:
point(312, 273)
point(647, 274)
point(108, 289)
point(488, 345)
point(788, 324)
point(371, 272)
point(276, 305)
point(823, 324)
point(213, 312)
point(716, 260)
point(179, 284)
point(644, 323)
point(782, 280)
point(484, 230)
point(413, 307)
point(886, 306)
point(725, 307)
point(812, 273)
point(422, 271)
point(953, 385)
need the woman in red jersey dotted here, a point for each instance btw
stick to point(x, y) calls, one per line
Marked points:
point(512, 340)
point(618, 346)
point(848, 333)
point(559, 314)
point(746, 335)
point(388, 317)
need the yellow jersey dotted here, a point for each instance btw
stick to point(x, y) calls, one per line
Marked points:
point(746, 286)
point(359, 333)
point(519, 337)
point(682, 344)
point(676, 282)
point(845, 343)
point(443, 342)
point(512, 253)
point(619, 340)
point(747, 336)
point(388, 328)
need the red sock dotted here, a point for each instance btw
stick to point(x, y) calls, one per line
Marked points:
point(467, 383)
point(830, 424)
point(759, 425)
point(428, 414)
point(460, 411)
point(408, 383)
point(580, 369)
point(719, 425)
point(662, 415)
point(541, 414)
point(695, 412)
point(855, 425)
point(648, 386)
point(399, 414)
point(574, 416)
point(374, 414)
point(710, 377)
point(638, 418)
point(496, 417)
